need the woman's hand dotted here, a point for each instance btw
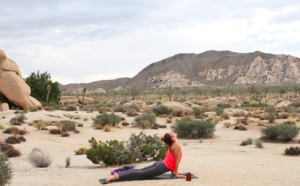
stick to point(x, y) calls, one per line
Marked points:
point(178, 175)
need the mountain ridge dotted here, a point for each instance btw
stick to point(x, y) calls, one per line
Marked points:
point(209, 67)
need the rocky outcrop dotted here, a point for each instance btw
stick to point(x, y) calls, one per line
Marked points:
point(175, 106)
point(12, 86)
point(100, 90)
point(278, 69)
point(171, 78)
point(69, 99)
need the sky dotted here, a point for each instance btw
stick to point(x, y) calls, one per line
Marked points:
point(81, 41)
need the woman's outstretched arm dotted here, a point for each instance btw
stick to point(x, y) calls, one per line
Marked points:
point(177, 152)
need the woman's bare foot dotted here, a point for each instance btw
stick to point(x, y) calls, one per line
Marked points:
point(115, 176)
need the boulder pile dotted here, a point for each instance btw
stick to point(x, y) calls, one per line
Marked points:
point(12, 85)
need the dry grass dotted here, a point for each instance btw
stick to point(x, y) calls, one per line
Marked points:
point(37, 158)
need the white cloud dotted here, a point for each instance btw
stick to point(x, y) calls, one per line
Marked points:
point(85, 41)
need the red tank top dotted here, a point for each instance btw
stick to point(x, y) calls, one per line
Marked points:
point(169, 160)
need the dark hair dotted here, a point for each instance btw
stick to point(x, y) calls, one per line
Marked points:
point(167, 139)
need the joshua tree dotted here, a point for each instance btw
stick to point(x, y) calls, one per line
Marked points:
point(48, 92)
point(296, 89)
point(169, 92)
point(84, 92)
point(134, 92)
point(184, 93)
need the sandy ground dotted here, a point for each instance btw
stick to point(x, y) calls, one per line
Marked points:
point(217, 161)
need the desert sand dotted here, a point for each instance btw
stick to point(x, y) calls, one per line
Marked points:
point(217, 161)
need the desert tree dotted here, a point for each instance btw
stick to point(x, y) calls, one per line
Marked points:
point(184, 92)
point(83, 95)
point(134, 92)
point(48, 92)
point(281, 91)
point(38, 83)
point(169, 92)
point(296, 89)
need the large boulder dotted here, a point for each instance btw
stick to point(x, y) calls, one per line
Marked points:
point(12, 86)
point(176, 106)
point(86, 100)
point(69, 99)
point(34, 102)
point(283, 104)
point(4, 107)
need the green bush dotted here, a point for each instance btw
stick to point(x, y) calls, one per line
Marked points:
point(20, 117)
point(120, 108)
point(259, 144)
point(224, 105)
point(137, 148)
point(161, 110)
point(71, 108)
point(146, 116)
point(68, 125)
point(198, 112)
point(5, 170)
point(107, 119)
point(188, 128)
point(283, 131)
point(134, 107)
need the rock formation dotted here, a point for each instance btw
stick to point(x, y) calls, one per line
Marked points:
point(12, 86)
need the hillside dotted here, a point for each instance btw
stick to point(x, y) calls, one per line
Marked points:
point(210, 67)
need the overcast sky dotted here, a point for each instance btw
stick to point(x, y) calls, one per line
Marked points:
point(80, 41)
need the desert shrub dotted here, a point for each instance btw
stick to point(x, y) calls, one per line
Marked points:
point(145, 124)
point(227, 124)
point(259, 144)
point(137, 148)
point(5, 146)
point(120, 108)
point(12, 153)
point(238, 114)
point(134, 107)
point(149, 102)
point(40, 124)
point(33, 109)
point(189, 128)
point(219, 111)
point(65, 134)
point(162, 110)
point(107, 119)
point(198, 112)
point(248, 141)
point(71, 108)
point(292, 151)
point(40, 107)
point(54, 131)
point(2, 126)
point(283, 131)
point(6, 172)
point(80, 151)
point(107, 128)
point(295, 104)
point(12, 140)
point(146, 116)
point(225, 115)
point(22, 138)
point(68, 161)
point(85, 119)
point(38, 158)
point(79, 125)
point(67, 125)
point(14, 130)
point(131, 113)
point(224, 105)
point(270, 109)
point(20, 117)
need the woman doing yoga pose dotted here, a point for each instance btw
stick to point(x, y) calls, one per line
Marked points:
point(170, 163)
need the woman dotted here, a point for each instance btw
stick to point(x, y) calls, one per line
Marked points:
point(170, 163)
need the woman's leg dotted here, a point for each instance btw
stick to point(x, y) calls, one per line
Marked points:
point(156, 169)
